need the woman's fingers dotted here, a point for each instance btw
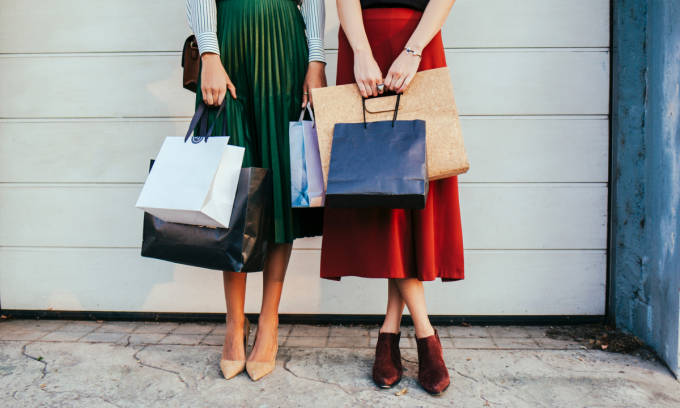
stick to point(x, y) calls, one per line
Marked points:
point(216, 96)
point(399, 83)
point(406, 83)
point(222, 95)
point(305, 95)
point(215, 81)
point(373, 88)
point(398, 80)
point(380, 81)
point(207, 96)
point(232, 89)
point(388, 80)
point(369, 87)
point(315, 78)
point(362, 89)
point(393, 76)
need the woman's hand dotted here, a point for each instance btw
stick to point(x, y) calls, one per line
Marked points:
point(214, 80)
point(401, 72)
point(315, 78)
point(367, 73)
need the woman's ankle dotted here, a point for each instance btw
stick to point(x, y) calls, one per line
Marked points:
point(390, 328)
point(424, 330)
point(268, 322)
point(236, 322)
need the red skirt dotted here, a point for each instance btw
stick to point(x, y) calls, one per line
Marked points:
point(388, 243)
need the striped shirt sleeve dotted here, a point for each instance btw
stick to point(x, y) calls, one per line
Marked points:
point(314, 14)
point(202, 17)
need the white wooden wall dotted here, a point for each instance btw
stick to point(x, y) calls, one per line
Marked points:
point(89, 89)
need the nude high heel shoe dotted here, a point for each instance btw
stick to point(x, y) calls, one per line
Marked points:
point(258, 369)
point(230, 368)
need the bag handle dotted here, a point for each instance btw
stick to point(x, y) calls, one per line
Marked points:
point(396, 108)
point(307, 108)
point(201, 117)
point(219, 111)
point(194, 121)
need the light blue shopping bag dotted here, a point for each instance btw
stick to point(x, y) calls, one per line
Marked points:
point(307, 189)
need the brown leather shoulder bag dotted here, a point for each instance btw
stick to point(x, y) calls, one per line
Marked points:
point(191, 62)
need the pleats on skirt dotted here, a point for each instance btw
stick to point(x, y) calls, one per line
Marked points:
point(264, 51)
point(385, 243)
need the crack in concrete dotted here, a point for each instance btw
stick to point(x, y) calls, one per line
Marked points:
point(44, 373)
point(557, 368)
point(38, 359)
point(469, 377)
point(489, 402)
point(285, 367)
point(108, 401)
point(430, 402)
point(142, 363)
point(516, 394)
point(477, 381)
point(80, 395)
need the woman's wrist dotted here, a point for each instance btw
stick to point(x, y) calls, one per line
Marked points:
point(363, 52)
point(415, 47)
point(412, 52)
point(316, 66)
point(206, 56)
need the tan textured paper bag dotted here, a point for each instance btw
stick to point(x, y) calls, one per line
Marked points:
point(429, 97)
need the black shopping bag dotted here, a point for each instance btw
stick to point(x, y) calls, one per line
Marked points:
point(378, 164)
point(240, 248)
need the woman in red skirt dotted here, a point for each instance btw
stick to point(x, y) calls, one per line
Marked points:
point(383, 43)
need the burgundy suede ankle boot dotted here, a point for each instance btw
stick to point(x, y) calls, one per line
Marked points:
point(387, 367)
point(433, 375)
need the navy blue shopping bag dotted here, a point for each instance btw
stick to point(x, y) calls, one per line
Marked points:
point(378, 164)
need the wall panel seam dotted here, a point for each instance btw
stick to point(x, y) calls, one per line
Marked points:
point(109, 184)
point(330, 51)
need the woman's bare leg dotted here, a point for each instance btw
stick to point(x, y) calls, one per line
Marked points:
point(414, 295)
point(272, 282)
point(395, 308)
point(235, 295)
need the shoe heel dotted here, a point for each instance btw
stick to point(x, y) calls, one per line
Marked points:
point(259, 369)
point(231, 368)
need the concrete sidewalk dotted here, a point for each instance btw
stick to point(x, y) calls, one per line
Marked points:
point(57, 363)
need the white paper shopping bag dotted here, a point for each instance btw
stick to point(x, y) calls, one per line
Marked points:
point(307, 189)
point(193, 183)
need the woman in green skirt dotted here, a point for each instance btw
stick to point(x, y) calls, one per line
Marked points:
point(267, 55)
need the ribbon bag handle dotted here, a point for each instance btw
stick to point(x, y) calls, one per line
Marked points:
point(200, 110)
point(396, 108)
point(201, 117)
point(307, 108)
point(219, 111)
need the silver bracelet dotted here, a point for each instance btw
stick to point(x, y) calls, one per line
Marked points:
point(413, 52)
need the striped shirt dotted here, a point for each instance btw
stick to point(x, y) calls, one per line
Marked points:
point(202, 16)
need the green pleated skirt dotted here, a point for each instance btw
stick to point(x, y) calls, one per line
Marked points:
point(264, 51)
